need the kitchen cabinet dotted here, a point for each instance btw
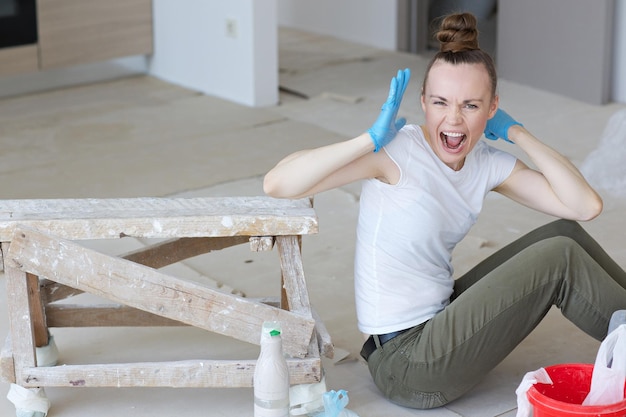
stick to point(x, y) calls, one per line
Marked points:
point(73, 32)
point(18, 59)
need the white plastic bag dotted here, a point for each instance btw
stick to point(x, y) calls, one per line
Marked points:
point(524, 408)
point(607, 382)
point(307, 399)
point(29, 402)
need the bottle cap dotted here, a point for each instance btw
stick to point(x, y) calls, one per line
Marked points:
point(271, 328)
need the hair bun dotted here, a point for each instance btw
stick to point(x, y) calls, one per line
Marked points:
point(458, 33)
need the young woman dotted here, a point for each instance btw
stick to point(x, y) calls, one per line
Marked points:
point(431, 338)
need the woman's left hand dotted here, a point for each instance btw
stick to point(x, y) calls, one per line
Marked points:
point(498, 126)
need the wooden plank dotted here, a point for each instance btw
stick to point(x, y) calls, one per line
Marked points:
point(73, 32)
point(78, 315)
point(177, 374)
point(19, 60)
point(176, 250)
point(159, 217)
point(37, 312)
point(19, 315)
point(154, 256)
point(261, 243)
point(135, 285)
point(119, 315)
point(314, 349)
point(7, 367)
point(324, 340)
point(53, 291)
point(293, 275)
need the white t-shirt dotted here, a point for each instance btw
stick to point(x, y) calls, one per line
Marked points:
point(406, 232)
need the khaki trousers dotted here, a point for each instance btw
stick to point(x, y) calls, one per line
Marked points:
point(494, 307)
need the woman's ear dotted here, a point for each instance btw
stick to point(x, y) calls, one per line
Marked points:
point(493, 107)
point(422, 101)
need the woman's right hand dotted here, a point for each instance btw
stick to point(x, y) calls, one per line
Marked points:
point(311, 171)
point(386, 126)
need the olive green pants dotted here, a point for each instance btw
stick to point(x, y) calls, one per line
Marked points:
point(494, 307)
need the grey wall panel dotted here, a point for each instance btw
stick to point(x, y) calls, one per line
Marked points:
point(563, 46)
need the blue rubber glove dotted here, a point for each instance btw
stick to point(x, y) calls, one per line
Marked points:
point(334, 403)
point(498, 126)
point(386, 126)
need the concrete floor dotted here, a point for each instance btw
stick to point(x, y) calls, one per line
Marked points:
point(143, 137)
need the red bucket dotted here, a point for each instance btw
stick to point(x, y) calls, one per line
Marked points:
point(570, 385)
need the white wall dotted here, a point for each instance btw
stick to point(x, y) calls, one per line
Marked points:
point(374, 22)
point(193, 48)
point(370, 22)
point(619, 63)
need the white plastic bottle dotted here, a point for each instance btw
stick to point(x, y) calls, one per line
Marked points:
point(271, 375)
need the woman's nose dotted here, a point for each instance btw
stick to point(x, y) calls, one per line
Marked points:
point(453, 115)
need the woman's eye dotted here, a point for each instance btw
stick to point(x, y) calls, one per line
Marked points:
point(439, 103)
point(471, 106)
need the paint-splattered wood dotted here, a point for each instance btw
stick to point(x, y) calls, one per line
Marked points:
point(160, 217)
point(156, 256)
point(53, 291)
point(144, 288)
point(22, 342)
point(324, 340)
point(176, 250)
point(118, 315)
point(178, 374)
point(7, 367)
point(297, 296)
point(78, 315)
point(261, 243)
point(102, 315)
point(37, 313)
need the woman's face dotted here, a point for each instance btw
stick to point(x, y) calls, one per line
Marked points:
point(457, 103)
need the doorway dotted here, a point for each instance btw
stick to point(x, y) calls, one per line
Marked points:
point(418, 20)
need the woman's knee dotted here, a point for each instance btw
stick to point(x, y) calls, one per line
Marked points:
point(553, 248)
point(563, 227)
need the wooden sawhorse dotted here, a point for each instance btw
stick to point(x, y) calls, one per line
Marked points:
point(44, 264)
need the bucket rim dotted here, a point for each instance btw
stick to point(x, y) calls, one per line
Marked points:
point(537, 398)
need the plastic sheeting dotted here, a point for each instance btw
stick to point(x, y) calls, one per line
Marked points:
point(605, 167)
point(29, 402)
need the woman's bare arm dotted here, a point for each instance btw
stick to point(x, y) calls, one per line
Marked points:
point(557, 187)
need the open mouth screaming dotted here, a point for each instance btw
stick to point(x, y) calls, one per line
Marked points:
point(452, 140)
